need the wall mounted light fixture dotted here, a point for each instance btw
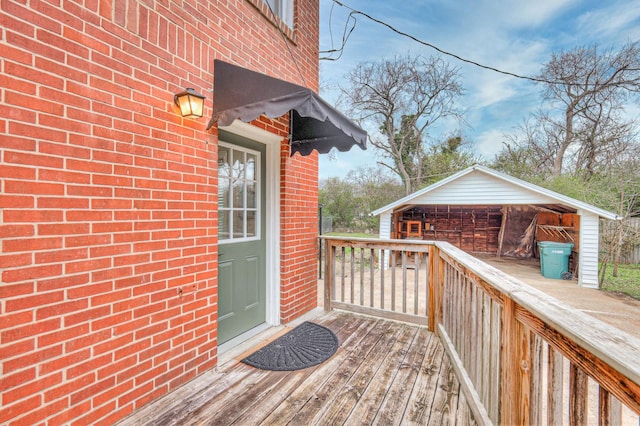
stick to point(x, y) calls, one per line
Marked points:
point(190, 102)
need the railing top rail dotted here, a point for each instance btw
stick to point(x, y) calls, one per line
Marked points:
point(418, 245)
point(377, 240)
point(615, 347)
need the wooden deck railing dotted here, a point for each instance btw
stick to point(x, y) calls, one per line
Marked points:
point(398, 291)
point(522, 357)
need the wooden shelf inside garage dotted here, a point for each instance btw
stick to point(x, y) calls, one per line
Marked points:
point(558, 232)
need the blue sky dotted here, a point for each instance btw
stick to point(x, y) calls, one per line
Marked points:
point(513, 35)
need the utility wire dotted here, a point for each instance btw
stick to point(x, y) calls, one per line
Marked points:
point(276, 20)
point(346, 33)
point(444, 52)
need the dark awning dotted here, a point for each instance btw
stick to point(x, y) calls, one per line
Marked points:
point(243, 94)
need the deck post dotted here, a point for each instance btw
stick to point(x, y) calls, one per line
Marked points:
point(436, 281)
point(516, 368)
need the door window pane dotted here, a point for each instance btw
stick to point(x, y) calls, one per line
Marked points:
point(251, 167)
point(238, 193)
point(251, 224)
point(223, 225)
point(224, 198)
point(224, 170)
point(238, 164)
point(251, 195)
point(238, 224)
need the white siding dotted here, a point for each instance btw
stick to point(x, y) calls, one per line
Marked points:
point(480, 188)
point(385, 226)
point(385, 234)
point(588, 263)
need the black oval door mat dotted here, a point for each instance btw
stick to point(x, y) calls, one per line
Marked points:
point(306, 345)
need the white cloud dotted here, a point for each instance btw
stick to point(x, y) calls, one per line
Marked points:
point(489, 143)
point(519, 14)
point(617, 22)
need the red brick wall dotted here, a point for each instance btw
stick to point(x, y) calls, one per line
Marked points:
point(299, 240)
point(108, 199)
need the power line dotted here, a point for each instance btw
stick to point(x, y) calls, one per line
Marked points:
point(432, 46)
point(346, 33)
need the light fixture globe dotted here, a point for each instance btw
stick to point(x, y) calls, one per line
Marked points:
point(190, 102)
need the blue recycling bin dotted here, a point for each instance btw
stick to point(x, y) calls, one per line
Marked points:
point(554, 258)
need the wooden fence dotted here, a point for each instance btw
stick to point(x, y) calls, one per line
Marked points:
point(631, 249)
point(522, 357)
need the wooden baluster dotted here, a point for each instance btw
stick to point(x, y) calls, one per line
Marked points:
point(447, 297)
point(361, 277)
point(615, 411)
point(554, 380)
point(537, 349)
point(475, 341)
point(329, 274)
point(427, 283)
point(416, 279)
point(342, 272)
point(404, 281)
point(371, 276)
point(353, 273)
point(496, 360)
point(457, 310)
point(383, 265)
point(393, 279)
point(468, 327)
point(484, 384)
point(578, 395)
point(464, 320)
point(604, 407)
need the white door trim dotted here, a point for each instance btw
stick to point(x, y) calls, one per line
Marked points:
point(272, 211)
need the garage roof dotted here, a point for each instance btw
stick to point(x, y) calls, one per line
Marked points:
point(482, 185)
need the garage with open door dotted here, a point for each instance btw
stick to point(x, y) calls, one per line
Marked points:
point(480, 210)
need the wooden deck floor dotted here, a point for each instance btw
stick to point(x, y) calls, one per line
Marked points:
point(384, 373)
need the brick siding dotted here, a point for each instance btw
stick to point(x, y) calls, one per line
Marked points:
point(108, 198)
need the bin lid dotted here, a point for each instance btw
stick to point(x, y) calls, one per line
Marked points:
point(555, 244)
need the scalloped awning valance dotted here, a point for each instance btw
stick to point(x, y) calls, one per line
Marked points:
point(243, 94)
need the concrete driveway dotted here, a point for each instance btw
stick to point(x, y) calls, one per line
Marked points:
point(619, 311)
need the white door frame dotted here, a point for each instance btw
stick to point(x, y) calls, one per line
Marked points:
point(271, 209)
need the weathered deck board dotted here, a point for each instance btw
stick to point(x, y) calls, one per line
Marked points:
point(305, 402)
point(396, 398)
point(425, 386)
point(383, 373)
point(368, 397)
point(338, 409)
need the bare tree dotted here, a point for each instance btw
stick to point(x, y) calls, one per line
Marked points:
point(589, 85)
point(403, 96)
point(605, 138)
point(620, 193)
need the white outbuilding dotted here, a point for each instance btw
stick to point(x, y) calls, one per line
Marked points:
point(481, 210)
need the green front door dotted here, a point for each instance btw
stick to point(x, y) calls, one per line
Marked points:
point(241, 233)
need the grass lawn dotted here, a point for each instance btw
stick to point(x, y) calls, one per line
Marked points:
point(627, 281)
